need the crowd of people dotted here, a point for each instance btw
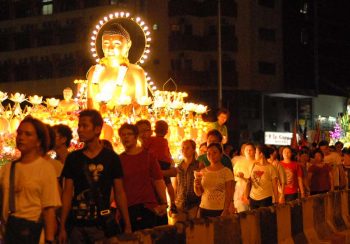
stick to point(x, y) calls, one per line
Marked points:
point(93, 193)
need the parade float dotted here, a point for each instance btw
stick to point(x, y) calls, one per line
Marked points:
point(341, 130)
point(116, 85)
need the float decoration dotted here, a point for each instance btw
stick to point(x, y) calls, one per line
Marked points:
point(184, 118)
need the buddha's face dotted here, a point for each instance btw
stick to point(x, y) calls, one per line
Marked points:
point(67, 94)
point(114, 45)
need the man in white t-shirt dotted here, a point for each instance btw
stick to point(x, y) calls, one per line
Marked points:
point(333, 159)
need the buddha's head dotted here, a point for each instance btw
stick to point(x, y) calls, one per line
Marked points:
point(67, 93)
point(116, 42)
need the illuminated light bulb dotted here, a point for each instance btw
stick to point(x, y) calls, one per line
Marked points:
point(146, 73)
point(94, 55)
point(147, 45)
point(92, 44)
point(116, 14)
point(122, 14)
point(147, 51)
point(151, 83)
point(148, 78)
point(141, 61)
point(105, 18)
point(138, 19)
point(101, 22)
point(97, 60)
point(154, 88)
point(149, 39)
point(93, 38)
point(111, 16)
point(148, 33)
point(142, 23)
point(93, 49)
point(145, 56)
point(94, 32)
point(127, 15)
point(97, 26)
point(145, 28)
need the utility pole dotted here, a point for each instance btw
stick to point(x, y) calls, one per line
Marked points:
point(219, 57)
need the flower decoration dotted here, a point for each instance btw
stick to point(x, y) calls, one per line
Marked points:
point(201, 109)
point(52, 102)
point(190, 107)
point(3, 96)
point(124, 100)
point(17, 97)
point(35, 100)
point(144, 101)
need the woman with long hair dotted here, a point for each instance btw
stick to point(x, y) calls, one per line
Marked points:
point(186, 201)
point(215, 185)
point(30, 190)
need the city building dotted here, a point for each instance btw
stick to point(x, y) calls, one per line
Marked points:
point(276, 56)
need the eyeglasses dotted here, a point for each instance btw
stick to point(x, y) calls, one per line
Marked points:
point(127, 134)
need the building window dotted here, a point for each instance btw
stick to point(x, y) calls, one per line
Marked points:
point(267, 34)
point(47, 7)
point(267, 68)
point(155, 27)
point(267, 3)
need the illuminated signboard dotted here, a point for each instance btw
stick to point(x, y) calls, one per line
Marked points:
point(278, 138)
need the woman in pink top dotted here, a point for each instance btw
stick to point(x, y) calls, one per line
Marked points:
point(294, 176)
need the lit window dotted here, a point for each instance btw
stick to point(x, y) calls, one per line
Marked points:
point(155, 27)
point(47, 7)
point(304, 8)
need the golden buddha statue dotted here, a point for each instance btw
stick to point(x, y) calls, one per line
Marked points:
point(67, 104)
point(115, 79)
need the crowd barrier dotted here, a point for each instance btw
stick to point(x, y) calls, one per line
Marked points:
point(316, 219)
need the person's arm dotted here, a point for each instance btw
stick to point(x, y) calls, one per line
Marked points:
point(301, 186)
point(67, 197)
point(331, 180)
point(275, 190)
point(228, 197)
point(198, 189)
point(160, 189)
point(120, 197)
point(282, 181)
point(172, 172)
point(49, 217)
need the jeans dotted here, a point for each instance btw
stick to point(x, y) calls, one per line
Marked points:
point(22, 231)
point(260, 203)
point(88, 235)
point(209, 213)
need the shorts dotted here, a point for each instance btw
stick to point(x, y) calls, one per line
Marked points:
point(164, 166)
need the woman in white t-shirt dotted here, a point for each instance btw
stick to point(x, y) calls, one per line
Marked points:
point(215, 184)
point(31, 203)
point(242, 170)
point(263, 180)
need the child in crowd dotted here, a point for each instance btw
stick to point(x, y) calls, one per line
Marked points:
point(158, 146)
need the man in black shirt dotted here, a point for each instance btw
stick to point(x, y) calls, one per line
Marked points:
point(89, 175)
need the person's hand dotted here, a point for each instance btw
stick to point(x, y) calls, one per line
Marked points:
point(160, 210)
point(245, 199)
point(62, 236)
point(302, 194)
point(232, 210)
point(281, 200)
point(197, 182)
